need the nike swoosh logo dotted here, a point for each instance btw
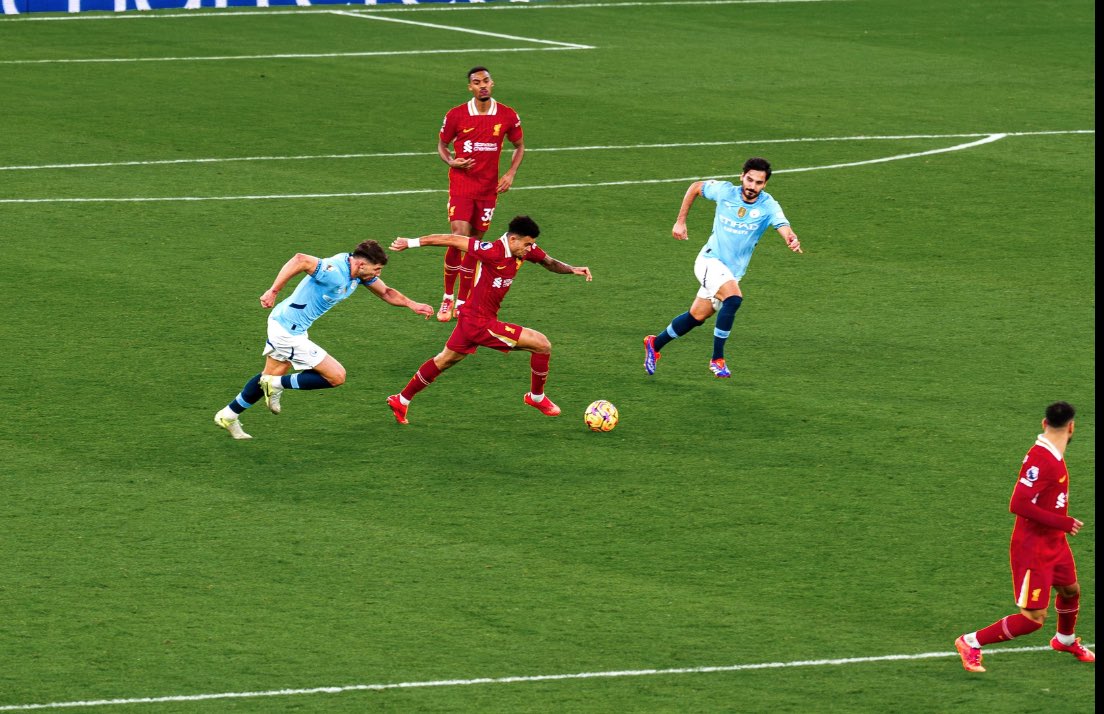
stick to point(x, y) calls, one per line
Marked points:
point(1062, 480)
point(465, 131)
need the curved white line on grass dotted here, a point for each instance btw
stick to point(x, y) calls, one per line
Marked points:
point(987, 140)
point(391, 155)
point(611, 147)
point(958, 147)
point(511, 680)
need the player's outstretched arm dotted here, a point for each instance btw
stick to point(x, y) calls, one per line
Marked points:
point(558, 266)
point(692, 193)
point(791, 239)
point(391, 296)
point(447, 240)
point(299, 263)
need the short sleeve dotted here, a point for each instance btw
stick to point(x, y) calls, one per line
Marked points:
point(329, 271)
point(778, 218)
point(536, 255)
point(448, 128)
point(493, 251)
point(714, 190)
point(514, 133)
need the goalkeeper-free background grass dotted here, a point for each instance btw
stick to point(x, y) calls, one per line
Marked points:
point(843, 495)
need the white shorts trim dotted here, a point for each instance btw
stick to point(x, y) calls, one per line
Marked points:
point(283, 346)
point(711, 274)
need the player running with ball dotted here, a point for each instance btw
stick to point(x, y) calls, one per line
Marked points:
point(478, 324)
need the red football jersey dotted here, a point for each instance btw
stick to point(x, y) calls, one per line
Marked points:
point(478, 136)
point(1040, 500)
point(498, 268)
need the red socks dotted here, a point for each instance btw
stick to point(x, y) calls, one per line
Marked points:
point(421, 379)
point(467, 277)
point(452, 269)
point(1012, 626)
point(1067, 608)
point(538, 363)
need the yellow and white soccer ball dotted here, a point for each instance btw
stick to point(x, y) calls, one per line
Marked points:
point(601, 416)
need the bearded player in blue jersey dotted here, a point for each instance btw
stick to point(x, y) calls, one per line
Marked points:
point(743, 214)
point(328, 282)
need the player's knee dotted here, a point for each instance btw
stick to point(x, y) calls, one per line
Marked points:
point(447, 359)
point(336, 378)
point(1073, 590)
point(541, 344)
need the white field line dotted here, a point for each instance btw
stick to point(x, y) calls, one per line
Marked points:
point(407, 192)
point(208, 58)
point(366, 16)
point(554, 45)
point(419, 8)
point(612, 147)
point(512, 680)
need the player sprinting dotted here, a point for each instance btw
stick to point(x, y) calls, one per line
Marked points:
point(743, 214)
point(328, 282)
point(476, 130)
point(477, 324)
point(1041, 557)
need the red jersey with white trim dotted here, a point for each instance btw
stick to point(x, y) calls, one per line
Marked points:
point(1040, 500)
point(480, 137)
point(498, 269)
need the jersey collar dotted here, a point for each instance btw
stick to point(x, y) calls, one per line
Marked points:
point(473, 110)
point(1042, 441)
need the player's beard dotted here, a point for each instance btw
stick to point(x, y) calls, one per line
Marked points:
point(750, 196)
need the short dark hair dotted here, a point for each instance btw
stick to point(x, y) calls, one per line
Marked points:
point(473, 70)
point(1059, 414)
point(524, 226)
point(371, 251)
point(757, 163)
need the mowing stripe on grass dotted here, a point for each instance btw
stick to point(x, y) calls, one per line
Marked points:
point(209, 58)
point(612, 147)
point(420, 8)
point(511, 680)
point(364, 194)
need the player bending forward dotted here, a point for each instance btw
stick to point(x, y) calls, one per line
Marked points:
point(328, 282)
point(478, 324)
point(1040, 554)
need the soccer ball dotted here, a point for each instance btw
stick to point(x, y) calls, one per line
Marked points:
point(601, 416)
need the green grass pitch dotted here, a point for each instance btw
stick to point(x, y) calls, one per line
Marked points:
point(842, 496)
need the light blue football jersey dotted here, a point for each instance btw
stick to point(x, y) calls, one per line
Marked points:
point(330, 283)
point(738, 225)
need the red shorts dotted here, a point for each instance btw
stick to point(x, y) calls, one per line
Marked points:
point(469, 335)
point(1033, 576)
point(476, 211)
